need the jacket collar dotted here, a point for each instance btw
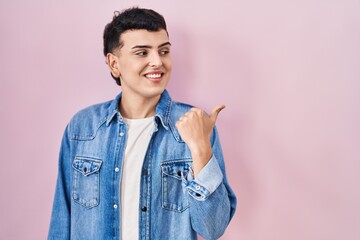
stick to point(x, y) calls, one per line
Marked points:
point(162, 111)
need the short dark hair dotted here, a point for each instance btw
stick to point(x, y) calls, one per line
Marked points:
point(130, 19)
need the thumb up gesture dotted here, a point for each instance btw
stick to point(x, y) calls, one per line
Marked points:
point(195, 128)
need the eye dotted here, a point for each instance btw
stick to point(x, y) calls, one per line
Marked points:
point(164, 52)
point(141, 53)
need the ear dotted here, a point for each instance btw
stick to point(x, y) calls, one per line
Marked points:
point(112, 62)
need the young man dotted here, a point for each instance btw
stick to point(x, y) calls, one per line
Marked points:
point(141, 166)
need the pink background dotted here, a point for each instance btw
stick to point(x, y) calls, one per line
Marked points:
point(288, 72)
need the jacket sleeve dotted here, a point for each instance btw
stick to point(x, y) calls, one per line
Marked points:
point(212, 201)
point(60, 217)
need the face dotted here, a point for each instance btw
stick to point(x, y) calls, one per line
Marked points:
point(143, 63)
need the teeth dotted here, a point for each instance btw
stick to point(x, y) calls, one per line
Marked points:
point(158, 75)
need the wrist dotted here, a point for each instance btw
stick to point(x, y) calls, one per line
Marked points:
point(200, 158)
point(200, 150)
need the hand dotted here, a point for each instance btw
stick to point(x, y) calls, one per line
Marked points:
point(195, 128)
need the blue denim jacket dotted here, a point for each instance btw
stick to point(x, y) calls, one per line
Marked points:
point(173, 205)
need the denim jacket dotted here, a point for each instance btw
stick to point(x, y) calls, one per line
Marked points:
point(173, 205)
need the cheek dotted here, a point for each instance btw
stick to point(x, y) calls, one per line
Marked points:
point(131, 68)
point(168, 64)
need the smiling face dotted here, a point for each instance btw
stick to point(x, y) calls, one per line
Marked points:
point(143, 63)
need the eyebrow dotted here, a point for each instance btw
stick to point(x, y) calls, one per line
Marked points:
point(148, 46)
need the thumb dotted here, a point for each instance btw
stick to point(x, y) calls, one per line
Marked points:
point(215, 112)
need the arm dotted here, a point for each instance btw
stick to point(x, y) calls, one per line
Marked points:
point(212, 202)
point(60, 217)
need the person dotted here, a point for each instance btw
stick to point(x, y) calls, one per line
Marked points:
point(141, 166)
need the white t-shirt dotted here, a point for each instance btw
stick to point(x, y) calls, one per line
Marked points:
point(138, 137)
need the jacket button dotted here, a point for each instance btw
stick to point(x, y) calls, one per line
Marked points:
point(144, 209)
point(115, 206)
point(122, 134)
point(117, 169)
point(197, 187)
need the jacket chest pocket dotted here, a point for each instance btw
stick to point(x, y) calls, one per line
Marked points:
point(86, 181)
point(173, 195)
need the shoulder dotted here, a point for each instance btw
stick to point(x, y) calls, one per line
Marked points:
point(178, 109)
point(93, 112)
point(85, 122)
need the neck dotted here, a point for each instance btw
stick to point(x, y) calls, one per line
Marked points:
point(135, 108)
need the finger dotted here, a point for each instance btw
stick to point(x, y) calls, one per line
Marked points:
point(215, 112)
point(185, 116)
point(196, 110)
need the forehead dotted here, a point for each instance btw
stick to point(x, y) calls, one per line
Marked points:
point(132, 38)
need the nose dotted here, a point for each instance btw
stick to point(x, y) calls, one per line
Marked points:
point(155, 60)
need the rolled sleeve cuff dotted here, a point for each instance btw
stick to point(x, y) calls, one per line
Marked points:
point(206, 181)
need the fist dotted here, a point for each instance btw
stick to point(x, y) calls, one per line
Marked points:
point(195, 128)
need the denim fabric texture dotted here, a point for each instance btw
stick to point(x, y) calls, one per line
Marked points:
point(173, 205)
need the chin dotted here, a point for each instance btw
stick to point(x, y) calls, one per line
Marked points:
point(154, 92)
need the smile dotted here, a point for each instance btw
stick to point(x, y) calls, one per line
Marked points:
point(153, 75)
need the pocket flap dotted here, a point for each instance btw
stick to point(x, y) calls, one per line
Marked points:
point(176, 169)
point(86, 166)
